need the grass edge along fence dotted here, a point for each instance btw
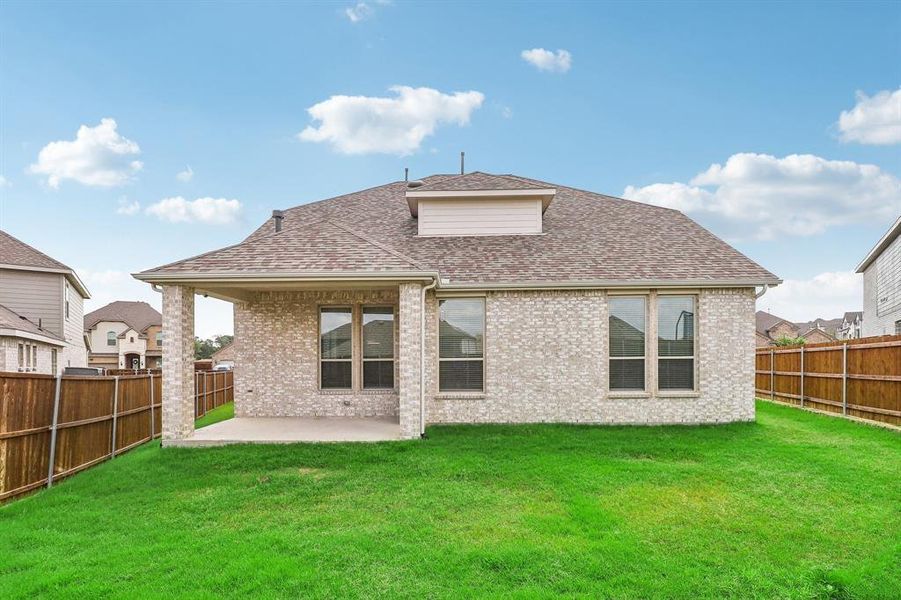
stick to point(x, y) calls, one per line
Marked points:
point(858, 378)
point(212, 389)
point(52, 427)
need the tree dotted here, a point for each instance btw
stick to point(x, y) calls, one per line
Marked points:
point(790, 341)
point(205, 348)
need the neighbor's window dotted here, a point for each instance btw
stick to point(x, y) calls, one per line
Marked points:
point(897, 327)
point(461, 332)
point(676, 342)
point(53, 360)
point(335, 348)
point(34, 358)
point(159, 338)
point(378, 347)
point(627, 342)
point(67, 300)
point(110, 338)
point(21, 357)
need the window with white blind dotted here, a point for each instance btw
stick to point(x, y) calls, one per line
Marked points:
point(335, 348)
point(461, 333)
point(378, 347)
point(676, 343)
point(627, 324)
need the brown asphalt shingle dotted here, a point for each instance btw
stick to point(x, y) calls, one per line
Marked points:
point(13, 320)
point(587, 236)
point(137, 315)
point(18, 253)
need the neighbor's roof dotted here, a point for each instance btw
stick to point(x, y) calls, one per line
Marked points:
point(137, 315)
point(587, 238)
point(13, 320)
point(850, 316)
point(893, 232)
point(16, 254)
point(766, 321)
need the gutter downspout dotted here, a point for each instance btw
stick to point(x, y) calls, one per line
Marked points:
point(156, 288)
point(766, 286)
point(422, 357)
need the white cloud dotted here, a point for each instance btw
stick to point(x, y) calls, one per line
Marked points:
point(762, 196)
point(359, 12)
point(211, 316)
point(545, 60)
point(873, 120)
point(128, 208)
point(98, 156)
point(827, 296)
point(4, 182)
point(186, 175)
point(212, 211)
point(365, 124)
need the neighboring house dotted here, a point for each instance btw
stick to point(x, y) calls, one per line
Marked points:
point(507, 299)
point(851, 327)
point(125, 335)
point(771, 328)
point(224, 356)
point(41, 307)
point(881, 270)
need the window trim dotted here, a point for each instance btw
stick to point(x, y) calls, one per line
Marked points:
point(111, 337)
point(393, 359)
point(694, 356)
point(456, 392)
point(320, 360)
point(645, 358)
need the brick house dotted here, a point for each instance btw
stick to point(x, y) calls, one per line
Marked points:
point(124, 335)
point(771, 328)
point(474, 298)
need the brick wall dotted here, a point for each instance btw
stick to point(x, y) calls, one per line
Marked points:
point(178, 368)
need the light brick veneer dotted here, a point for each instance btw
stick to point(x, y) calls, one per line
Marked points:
point(546, 361)
point(277, 359)
point(409, 355)
point(178, 367)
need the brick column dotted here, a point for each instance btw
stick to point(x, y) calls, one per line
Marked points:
point(178, 362)
point(409, 343)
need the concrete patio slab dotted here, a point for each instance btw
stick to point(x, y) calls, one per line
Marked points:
point(288, 430)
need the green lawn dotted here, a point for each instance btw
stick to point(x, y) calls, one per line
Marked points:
point(797, 505)
point(220, 413)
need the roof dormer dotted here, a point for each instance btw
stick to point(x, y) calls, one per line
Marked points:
point(479, 204)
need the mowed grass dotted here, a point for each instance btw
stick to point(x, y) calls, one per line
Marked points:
point(220, 413)
point(796, 505)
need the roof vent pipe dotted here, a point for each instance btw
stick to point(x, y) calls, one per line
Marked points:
point(406, 174)
point(279, 216)
point(462, 161)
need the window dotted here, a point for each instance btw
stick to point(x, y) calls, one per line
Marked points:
point(67, 300)
point(159, 338)
point(131, 339)
point(461, 332)
point(21, 357)
point(378, 347)
point(34, 358)
point(335, 348)
point(110, 338)
point(627, 342)
point(898, 327)
point(676, 343)
point(53, 360)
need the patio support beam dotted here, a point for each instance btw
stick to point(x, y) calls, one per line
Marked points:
point(409, 348)
point(178, 362)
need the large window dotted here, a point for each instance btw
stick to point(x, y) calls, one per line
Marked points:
point(627, 342)
point(53, 360)
point(461, 332)
point(676, 342)
point(110, 338)
point(378, 347)
point(335, 348)
point(159, 338)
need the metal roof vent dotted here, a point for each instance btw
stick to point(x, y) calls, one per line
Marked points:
point(279, 216)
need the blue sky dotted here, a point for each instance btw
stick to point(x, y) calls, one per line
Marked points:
point(650, 98)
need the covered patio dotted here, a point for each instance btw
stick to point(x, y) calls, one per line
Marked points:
point(287, 430)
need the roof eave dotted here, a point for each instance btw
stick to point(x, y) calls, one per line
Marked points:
point(884, 242)
point(71, 275)
point(414, 196)
point(19, 333)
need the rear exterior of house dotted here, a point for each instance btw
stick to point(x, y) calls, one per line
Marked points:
point(41, 307)
point(881, 270)
point(475, 298)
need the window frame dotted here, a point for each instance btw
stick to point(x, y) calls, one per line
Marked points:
point(351, 360)
point(66, 299)
point(364, 360)
point(54, 360)
point(111, 337)
point(645, 358)
point(455, 391)
point(694, 347)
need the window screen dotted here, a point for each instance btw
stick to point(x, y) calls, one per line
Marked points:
point(627, 343)
point(378, 347)
point(335, 348)
point(461, 333)
point(676, 342)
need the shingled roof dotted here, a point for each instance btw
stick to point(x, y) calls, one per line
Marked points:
point(14, 321)
point(137, 315)
point(587, 237)
point(16, 254)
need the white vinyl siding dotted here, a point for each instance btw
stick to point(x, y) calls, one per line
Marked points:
point(479, 216)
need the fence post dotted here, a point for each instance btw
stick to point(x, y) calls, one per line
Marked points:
point(152, 423)
point(845, 379)
point(206, 398)
point(53, 430)
point(802, 376)
point(772, 375)
point(112, 453)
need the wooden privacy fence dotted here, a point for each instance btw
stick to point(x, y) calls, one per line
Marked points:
point(212, 389)
point(859, 378)
point(53, 427)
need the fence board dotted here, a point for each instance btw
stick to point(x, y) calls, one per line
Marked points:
point(862, 381)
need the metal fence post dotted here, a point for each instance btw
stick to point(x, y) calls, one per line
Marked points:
point(802, 376)
point(52, 462)
point(152, 422)
point(112, 453)
point(845, 379)
point(772, 375)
